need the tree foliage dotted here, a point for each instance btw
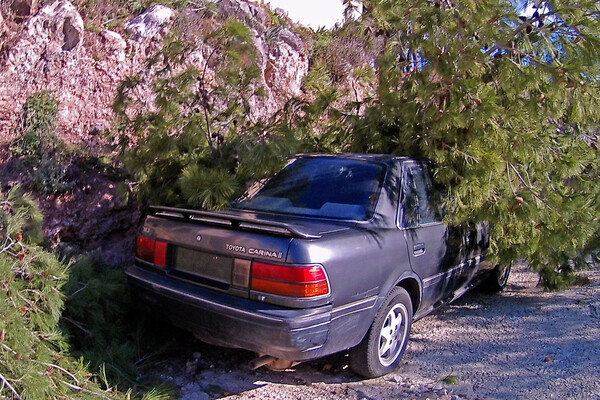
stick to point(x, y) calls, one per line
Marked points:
point(34, 360)
point(106, 327)
point(43, 156)
point(198, 143)
point(503, 96)
point(506, 102)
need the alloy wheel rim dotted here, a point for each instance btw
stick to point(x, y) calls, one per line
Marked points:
point(392, 335)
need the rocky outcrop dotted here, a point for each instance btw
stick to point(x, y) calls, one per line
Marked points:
point(56, 28)
point(45, 55)
point(282, 56)
point(3, 30)
point(287, 65)
point(84, 68)
point(52, 50)
point(150, 23)
point(250, 13)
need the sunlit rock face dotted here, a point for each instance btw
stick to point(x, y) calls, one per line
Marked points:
point(52, 50)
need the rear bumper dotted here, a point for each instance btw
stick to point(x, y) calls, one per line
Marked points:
point(222, 319)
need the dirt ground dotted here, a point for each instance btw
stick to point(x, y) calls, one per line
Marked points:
point(520, 344)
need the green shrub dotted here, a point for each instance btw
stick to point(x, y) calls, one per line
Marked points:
point(35, 128)
point(36, 358)
point(43, 156)
point(105, 327)
point(49, 177)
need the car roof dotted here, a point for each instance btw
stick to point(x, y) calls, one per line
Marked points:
point(358, 156)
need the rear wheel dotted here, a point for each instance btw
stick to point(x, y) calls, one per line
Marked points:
point(497, 279)
point(381, 349)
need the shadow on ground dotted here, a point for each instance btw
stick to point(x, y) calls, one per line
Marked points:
point(522, 343)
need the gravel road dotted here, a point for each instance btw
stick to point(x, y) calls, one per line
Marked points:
point(520, 344)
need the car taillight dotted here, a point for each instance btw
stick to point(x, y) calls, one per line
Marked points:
point(151, 250)
point(292, 281)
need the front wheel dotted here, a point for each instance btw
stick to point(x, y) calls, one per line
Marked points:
point(381, 349)
point(497, 279)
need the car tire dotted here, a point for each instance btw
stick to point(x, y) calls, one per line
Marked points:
point(381, 349)
point(497, 279)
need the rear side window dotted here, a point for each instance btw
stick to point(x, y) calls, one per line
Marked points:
point(321, 186)
point(421, 202)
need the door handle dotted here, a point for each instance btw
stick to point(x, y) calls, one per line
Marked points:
point(418, 249)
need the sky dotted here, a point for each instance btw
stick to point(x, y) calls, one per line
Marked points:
point(325, 13)
point(313, 13)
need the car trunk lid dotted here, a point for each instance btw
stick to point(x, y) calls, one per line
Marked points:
point(216, 249)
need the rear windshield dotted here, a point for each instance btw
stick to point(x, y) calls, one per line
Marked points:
point(320, 186)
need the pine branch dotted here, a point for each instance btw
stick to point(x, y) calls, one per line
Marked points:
point(30, 303)
point(530, 188)
point(510, 183)
point(529, 23)
point(462, 153)
point(178, 131)
point(79, 325)
point(6, 247)
point(77, 291)
point(80, 389)
point(60, 369)
point(8, 385)
point(204, 103)
point(5, 347)
point(517, 30)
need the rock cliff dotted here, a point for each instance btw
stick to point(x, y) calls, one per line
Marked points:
point(52, 49)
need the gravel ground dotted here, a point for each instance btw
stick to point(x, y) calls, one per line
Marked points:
point(520, 344)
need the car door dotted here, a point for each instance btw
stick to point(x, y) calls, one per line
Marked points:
point(433, 254)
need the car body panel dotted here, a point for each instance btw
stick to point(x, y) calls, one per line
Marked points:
point(362, 259)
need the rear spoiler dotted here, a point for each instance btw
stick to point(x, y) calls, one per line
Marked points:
point(231, 221)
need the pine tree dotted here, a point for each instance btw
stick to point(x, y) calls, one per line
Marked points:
point(196, 145)
point(505, 99)
point(34, 360)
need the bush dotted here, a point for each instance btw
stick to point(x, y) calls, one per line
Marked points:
point(35, 128)
point(105, 327)
point(44, 157)
point(35, 357)
point(34, 363)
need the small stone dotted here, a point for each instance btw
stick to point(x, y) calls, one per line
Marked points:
point(190, 367)
point(114, 44)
